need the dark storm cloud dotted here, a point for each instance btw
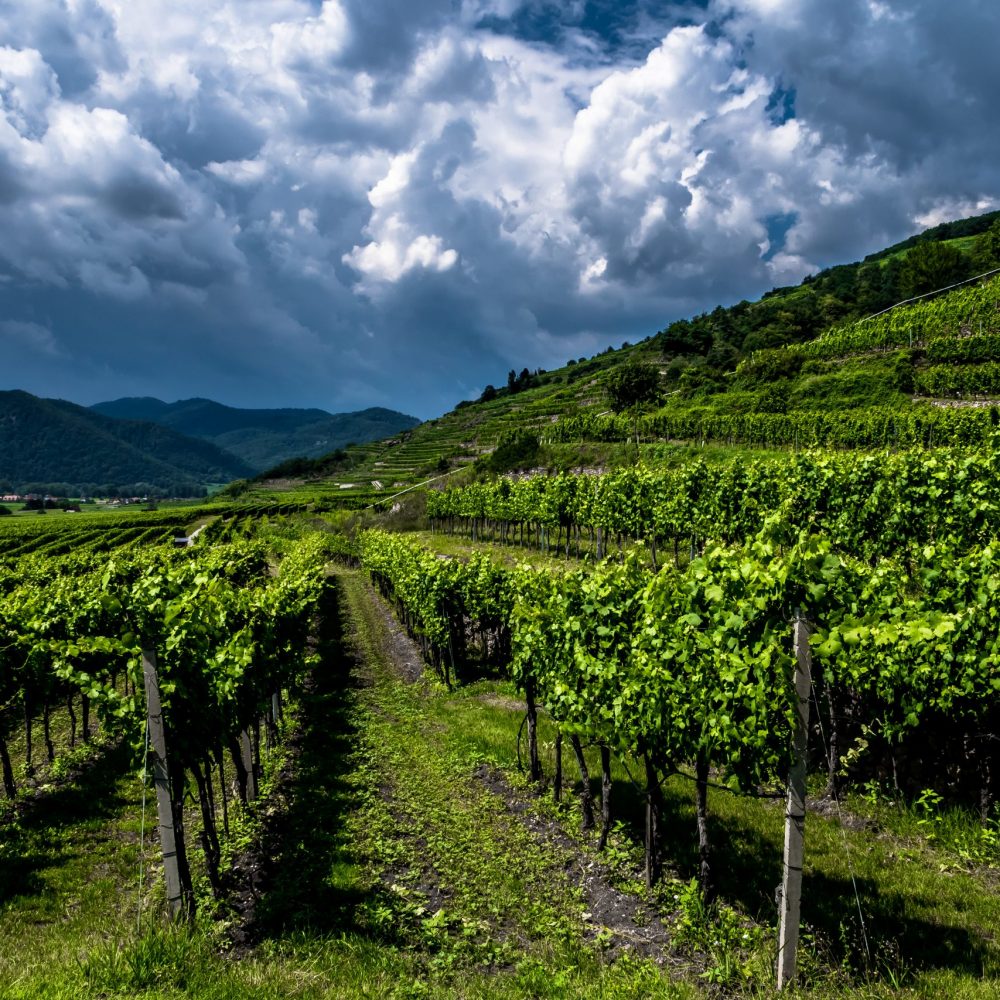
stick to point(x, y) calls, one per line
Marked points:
point(206, 130)
point(882, 77)
point(385, 36)
point(77, 38)
point(371, 201)
point(11, 187)
point(901, 90)
point(136, 197)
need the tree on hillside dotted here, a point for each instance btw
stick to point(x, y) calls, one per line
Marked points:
point(630, 388)
point(929, 266)
point(632, 385)
point(687, 336)
point(526, 380)
point(516, 450)
point(986, 252)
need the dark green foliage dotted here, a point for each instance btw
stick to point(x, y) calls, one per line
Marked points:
point(517, 450)
point(307, 468)
point(772, 400)
point(583, 369)
point(237, 488)
point(903, 371)
point(526, 380)
point(698, 379)
point(932, 265)
point(769, 366)
point(48, 503)
point(632, 385)
point(686, 336)
point(723, 356)
point(986, 252)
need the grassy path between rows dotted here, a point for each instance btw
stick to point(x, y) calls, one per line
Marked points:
point(895, 896)
point(481, 905)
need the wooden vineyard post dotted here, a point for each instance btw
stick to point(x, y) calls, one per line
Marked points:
point(795, 813)
point(246, 753)
point(605, 796)
point(535, 765)
point(161, 782)
point(557, 780)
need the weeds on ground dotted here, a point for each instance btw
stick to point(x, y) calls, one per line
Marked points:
point(734, 949)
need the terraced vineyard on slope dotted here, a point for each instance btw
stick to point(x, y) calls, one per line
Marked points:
point(859, 386)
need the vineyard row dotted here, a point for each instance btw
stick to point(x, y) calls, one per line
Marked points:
point(691, 670)
point(867, 505)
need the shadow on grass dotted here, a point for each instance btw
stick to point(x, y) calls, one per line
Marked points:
point(312, 884)
point(902, 924)
point(34, 844)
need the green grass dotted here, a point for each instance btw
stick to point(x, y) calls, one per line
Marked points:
point(928, 924)
point(59, 867)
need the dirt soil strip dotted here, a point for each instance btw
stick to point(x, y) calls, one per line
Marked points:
point(399, 648)
point(632, 923)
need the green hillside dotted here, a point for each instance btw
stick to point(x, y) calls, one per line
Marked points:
point(53, 445)
point(802, 366)
point(936, 258)
point(262, 437)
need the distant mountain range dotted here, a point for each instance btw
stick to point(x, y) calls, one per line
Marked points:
point(262, 438)
point(146, 446)
point(59, 447)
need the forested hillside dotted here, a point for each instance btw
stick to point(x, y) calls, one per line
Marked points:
point(262, 437)
point(55, 446)
point(938, 257)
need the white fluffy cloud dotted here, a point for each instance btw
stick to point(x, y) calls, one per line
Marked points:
point(350, 202)
point(396, 246)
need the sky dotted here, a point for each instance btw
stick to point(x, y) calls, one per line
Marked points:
point(358, 203)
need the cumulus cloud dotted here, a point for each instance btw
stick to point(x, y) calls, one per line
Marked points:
point(396, 252)
point(397, 246)
point(349, 202)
